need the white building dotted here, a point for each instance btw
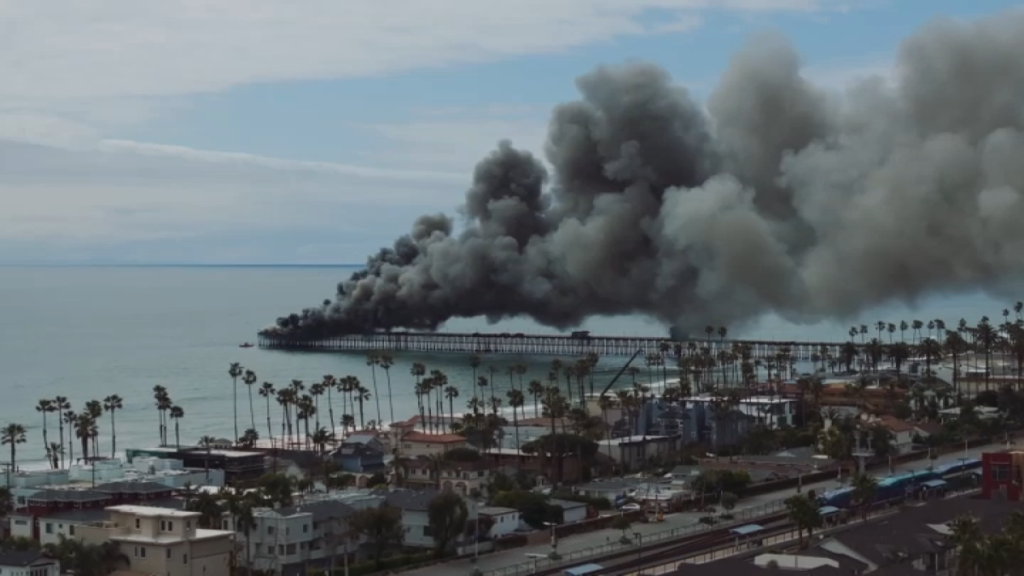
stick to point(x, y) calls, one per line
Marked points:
point(415, 520)
point(166, 471)
point(506, 520)
point(772, 411)
point(572, 511)
point(27, 563)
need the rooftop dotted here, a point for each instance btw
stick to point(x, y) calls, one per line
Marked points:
point(20, 558)
point(152, 511)
point(433, 438)
point(496, 510)
point(410, 499)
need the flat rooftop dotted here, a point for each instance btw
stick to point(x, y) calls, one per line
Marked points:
point(152, 511)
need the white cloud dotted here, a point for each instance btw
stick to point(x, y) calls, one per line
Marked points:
point(64, 50)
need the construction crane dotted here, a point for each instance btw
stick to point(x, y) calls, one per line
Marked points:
point(621, 372)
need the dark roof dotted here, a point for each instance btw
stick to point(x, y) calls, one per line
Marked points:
point(21, 557)
point(567, 504)
point(76, 515)
point(322, 510)
point(133, 487)
point(410, 499)
point(62, 495)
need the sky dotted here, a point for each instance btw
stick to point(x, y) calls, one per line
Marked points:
point(315, 131)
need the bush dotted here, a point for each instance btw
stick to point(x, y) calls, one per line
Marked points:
point(390, 563)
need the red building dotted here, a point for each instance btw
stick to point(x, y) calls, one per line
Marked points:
point(1001, 473)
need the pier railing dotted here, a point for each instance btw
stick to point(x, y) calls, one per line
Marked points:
point(546, 345)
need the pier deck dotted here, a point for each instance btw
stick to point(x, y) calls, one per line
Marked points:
point(545, 345)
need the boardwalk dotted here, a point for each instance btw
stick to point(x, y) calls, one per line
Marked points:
point(577, 344)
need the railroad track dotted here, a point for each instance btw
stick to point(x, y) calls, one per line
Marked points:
point(662, 551)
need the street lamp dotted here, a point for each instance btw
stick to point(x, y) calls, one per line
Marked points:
point(554, 555)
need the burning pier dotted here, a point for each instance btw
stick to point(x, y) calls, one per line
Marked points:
point(575, 344)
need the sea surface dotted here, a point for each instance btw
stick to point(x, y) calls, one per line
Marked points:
point(88, 332)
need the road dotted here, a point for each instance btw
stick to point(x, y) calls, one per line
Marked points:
point(607, 538)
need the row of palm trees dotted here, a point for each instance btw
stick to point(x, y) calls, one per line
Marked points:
point(83, 425)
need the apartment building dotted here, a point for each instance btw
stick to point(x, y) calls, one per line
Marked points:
point(162, 541)
point(291, 539)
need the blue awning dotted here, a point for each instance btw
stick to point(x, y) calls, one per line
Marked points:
point(748, 529)
point(934, 484)
point(826, 510)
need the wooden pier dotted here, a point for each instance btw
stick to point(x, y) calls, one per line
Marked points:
point(548, 345)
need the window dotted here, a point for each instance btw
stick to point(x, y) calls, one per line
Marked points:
point(71, 529)
point(166, 525)
point(140, 551)
point(270, 529)
point(1001, 472)
point(184, 558)
point(138, 523)
point(188, 524)
point(49, 528)
point(168, 553)
point(305, 528)
point(291, 549)
point(270, 549)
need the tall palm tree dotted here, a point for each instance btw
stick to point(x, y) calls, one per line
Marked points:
point(267, 391)
point(112, 404)
point(316, 390)
point(95, 410)
point(56, 452)
point(283, 399)
point(207, 442)
point(361, 394)
point(330, 383)
point(60, 405)
point(69, 417)
point(385, 361)
point(44, 407)
point(373, 360)
point(516, 400)
point(418, 370)
point(177, 413)
point(536, 390)
point(234, 371)
point(249, 378)
point(474, 365)
point(13, 434)
point(451, 392)
point(159, 397)
point(85, 430)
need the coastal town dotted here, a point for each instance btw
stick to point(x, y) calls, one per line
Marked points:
point(503, 477)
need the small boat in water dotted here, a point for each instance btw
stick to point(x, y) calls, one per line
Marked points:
point(245, 345)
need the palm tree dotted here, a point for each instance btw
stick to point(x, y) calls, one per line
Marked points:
point(373, 360)
point(95, 410)
point(60, 404)
point(330, 383)
point(234, 371)
point(69, 417)
point(208, 443)
point(385, 361)
point(112, 404)
point(283, 396)
point(804, 513)
point(516, 399)
point(361, 394)
point(44, 407)
point(267, 391)
point(55, 451)
point(864, 489)
point(536, 389)
point(316, 390)
point(160, 396)
point(177, 413)
point(13, 434)
point(249, 378)
point(85, 428)
point(451, 392)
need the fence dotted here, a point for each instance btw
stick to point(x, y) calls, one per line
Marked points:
point(766, 543)
point(577, 556)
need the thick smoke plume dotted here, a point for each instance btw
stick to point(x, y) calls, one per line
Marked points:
point(779, 197)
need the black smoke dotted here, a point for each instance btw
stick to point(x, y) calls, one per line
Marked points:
point(779, 197)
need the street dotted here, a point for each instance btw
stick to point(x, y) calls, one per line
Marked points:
point(604, 539)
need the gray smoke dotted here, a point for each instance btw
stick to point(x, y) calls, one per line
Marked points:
point(781, 197)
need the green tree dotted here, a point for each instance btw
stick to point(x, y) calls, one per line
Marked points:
point(447, 516)
point(864, 489)
point(382, 528)
point(804, 513)
point(728, 501)
point(12, 435)
point(621, 522)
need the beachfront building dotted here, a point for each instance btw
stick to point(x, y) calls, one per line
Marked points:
point(311, 534)
point(238, 466)
point(633, 452)
point(162, 541)
point(169, 472)
point(771, 411)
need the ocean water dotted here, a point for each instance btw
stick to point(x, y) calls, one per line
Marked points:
point(87, 332)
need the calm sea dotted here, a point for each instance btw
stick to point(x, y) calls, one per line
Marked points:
point(87, 332)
